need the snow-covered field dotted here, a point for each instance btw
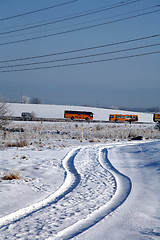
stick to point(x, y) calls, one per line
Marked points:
point(80, 181)
point(57, 111)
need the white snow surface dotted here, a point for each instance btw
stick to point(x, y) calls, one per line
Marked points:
point(96, 191)
point(57, 111)
point(79, 189)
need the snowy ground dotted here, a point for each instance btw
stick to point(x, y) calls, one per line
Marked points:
point(80, 181)
point(57, 111)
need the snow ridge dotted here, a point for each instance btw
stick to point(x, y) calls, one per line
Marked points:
point(122, 192)
point(71, 181)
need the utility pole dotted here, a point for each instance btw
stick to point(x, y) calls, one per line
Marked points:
point(97, 103)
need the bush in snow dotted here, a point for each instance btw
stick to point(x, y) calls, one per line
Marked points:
point(157, 126)
point(10, 176)
point(38, 135)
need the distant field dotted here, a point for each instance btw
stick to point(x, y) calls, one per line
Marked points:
point(57, 111)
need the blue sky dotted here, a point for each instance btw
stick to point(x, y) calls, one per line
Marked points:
point(125, 82)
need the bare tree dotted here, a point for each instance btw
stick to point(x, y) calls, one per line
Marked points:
point(35, 100)
point(25, 99)
point(4, 113)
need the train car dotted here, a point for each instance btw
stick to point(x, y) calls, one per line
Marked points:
point(123, 118)
point(156, 117)
point(78, 115)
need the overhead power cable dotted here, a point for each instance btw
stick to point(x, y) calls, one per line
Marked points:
point(70, 15)
point(36, 11)
point(80, 57)
point(82, 63)
point(80, 23)
point(121, 4)
point(82, 49)
point(79, 29)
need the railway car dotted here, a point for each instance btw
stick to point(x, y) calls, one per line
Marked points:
point(156, 117)
point(123, 118)
point(78, 115)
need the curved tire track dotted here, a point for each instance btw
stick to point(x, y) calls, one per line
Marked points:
point(122, 192)
point(72, 179)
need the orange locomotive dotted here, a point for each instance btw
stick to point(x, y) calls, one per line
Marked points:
point(123, 118)
point(78, 115)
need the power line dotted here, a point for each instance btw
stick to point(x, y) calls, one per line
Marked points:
point(66, 16)
point(84, 56)
point(73, 17)
point(82, 49)
point(81, 63)
point(79, 29)
point(36, 11)
point(82, 23)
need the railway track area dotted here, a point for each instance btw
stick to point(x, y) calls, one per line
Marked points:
point(39, 119)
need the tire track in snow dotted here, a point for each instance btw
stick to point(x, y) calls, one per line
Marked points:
point(72, 179)
point(122, 192)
